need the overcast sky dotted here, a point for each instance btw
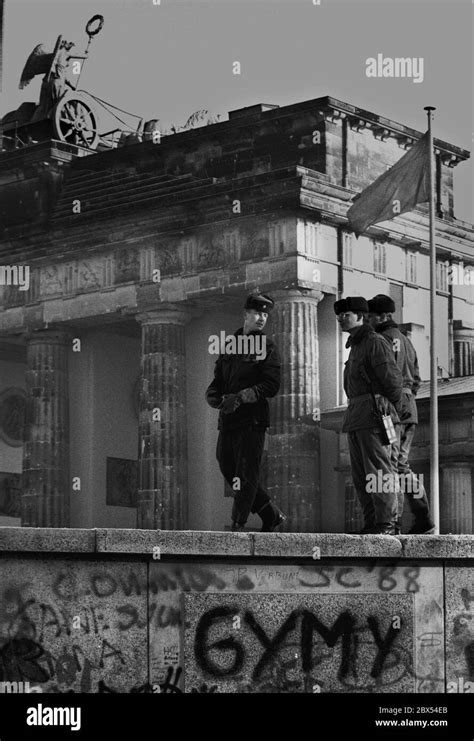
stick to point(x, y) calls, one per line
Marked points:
point(166, 61)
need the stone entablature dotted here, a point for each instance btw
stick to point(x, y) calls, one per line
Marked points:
point(243, 250)
point(318, 134)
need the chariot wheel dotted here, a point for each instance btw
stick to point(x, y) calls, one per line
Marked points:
point(75, 121)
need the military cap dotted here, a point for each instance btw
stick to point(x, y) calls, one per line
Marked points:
point(381, 304)
point(259, 302)
point(351, 303)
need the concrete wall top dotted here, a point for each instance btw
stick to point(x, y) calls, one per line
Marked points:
point(317, 546)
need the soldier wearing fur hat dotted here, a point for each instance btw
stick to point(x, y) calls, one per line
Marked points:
point(241, 386)
point(381, 308)
point(371, 376)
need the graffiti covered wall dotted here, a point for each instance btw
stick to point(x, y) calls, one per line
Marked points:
point(71, 624)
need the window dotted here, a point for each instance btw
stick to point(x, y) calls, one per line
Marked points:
point(347, 249)
point(380, 256)
point(232, 245)
point(277, 238)
point(147, 263)
point(411, 267)
point(442, 276)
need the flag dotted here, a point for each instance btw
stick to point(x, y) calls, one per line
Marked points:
point(396, 191)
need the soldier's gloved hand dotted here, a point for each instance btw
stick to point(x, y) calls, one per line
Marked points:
point(248, 396)
point(230, 402)
point(383, 404)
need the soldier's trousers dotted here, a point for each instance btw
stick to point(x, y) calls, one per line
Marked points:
point(411, 485)
point(374, 478)
point(239, 453)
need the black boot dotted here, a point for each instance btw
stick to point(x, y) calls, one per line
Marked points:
point(272, 518)
point(422, 523)
point(237, 527)
point(423, 526)
point(384, 528)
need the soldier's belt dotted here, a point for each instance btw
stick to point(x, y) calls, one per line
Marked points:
point(363, 397)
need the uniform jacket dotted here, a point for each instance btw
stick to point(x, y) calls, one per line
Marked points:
point(371, 351)
point(232, 373)
point(407, 361)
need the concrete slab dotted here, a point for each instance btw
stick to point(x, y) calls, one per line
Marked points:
point(299, 643)
point(437, 546)
point(326, 545)
point(55, 539)
point(169, 583)
point(178, 542)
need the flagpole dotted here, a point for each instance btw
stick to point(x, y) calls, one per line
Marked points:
point(434, 455)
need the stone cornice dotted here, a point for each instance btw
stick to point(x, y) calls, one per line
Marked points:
point(49, 150)
point(385, 127)
point(331, 203)
point(173, 544)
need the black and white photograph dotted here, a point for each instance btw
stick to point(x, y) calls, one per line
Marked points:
point(237, 362)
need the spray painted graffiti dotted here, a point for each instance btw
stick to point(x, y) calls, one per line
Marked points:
point(103, 584)
point(69, 645)
point(92, 627)
point(322, 576)
point(368, 644)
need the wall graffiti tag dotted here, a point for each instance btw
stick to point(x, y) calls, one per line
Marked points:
point(292, 643)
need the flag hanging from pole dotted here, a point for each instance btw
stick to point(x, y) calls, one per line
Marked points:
point(396, 191)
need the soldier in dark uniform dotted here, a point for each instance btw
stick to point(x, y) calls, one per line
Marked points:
point(380, 318)
point(370, 368)
point(242, 383)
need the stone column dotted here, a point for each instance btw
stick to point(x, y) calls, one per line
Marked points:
point(46, 482)
point(456, 499)
point(293, 444)
point(162, 489)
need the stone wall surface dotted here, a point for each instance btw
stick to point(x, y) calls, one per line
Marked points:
point(160, 611)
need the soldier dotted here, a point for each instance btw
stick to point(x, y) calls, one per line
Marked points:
point(242, 383)
point(381, 308)
point(371, 377)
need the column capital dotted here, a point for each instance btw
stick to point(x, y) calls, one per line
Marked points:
point(293, 294)
point(50, 336)
point(166, 314)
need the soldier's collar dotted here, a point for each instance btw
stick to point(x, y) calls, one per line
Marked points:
point(386, 325)
point(254, 332)
point(357, 337)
